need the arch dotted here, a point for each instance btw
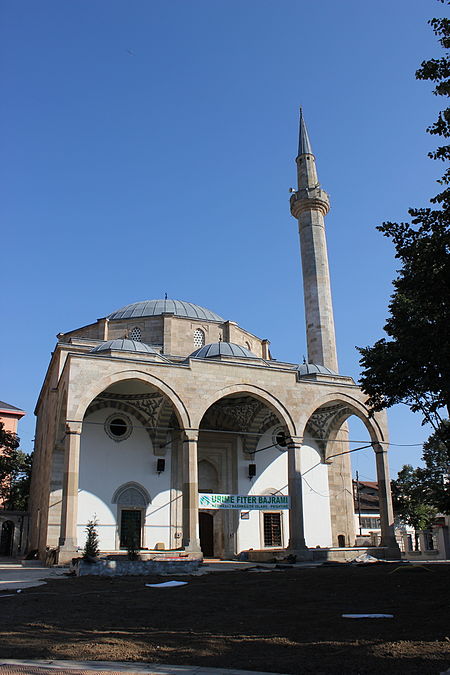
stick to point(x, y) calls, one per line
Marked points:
point(349, 406)
point(257, 392)
point(81, 404)
point(208, 476)
point(131, 492)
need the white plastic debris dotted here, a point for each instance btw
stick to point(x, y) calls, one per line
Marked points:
point(167, 584)
point(365, 558)
point(367, 616)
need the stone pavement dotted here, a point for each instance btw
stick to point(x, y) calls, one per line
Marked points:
point(15, 575)
point(42, 667)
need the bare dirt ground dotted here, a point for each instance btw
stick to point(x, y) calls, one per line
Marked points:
point(285, 621)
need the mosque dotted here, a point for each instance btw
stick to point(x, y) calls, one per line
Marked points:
point(174, 429)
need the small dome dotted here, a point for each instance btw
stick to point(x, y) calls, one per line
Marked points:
point(124, 346)
point(222, 349)
point(157, 307)
point(314, 369)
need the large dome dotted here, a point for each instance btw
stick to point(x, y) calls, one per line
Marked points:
point(154, 307)
point(222, 349)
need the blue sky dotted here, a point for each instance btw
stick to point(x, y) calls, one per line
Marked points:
point(149, 145)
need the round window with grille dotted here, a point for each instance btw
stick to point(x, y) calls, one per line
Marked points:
point(135, 334)
point(118, 427)
point(199, 338)
point(279, 438)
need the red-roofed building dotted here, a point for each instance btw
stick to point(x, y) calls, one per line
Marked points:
point(11, 523)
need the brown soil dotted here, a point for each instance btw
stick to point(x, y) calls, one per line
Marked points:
point(286, 621)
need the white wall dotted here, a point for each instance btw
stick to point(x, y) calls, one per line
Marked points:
point(316, 496)
point(105, 465)
point(271, 474)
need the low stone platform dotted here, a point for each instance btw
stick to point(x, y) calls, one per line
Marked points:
point(112, 568)
point(315, 554)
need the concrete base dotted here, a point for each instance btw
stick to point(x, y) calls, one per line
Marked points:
point(320, 554)
point(279, 555)
point(113, 568)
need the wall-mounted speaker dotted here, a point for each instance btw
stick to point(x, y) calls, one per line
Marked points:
point(160, 465)
point(251, 470)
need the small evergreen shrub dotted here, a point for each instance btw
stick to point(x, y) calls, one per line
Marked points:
point(91, 549)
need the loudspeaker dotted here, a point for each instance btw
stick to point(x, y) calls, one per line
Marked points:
point(160, 465)
point(251, 470)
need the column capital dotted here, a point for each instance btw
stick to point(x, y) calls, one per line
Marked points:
point(190, 435)
point(73, 427)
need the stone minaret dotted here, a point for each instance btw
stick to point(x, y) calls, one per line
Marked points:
point(309, 205)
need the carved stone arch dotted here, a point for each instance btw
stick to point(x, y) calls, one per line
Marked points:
point(262, 421)
point(80, 400)
point(326, 417)
point(258, 393)
point(208, 473)
point(165, 423)
point(131, 492)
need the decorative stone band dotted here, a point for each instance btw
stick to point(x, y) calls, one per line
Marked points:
point(317, 202)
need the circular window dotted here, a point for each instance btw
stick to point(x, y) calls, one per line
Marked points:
point(280, 439)
point(118, 427)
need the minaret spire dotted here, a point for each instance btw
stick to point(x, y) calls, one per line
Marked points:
point(309, 205)
point(304, 144)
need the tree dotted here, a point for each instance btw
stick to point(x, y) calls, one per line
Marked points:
point(435, 477)
point(413, 365)
point(410, 501)
point(15, 472)
point(91, 549)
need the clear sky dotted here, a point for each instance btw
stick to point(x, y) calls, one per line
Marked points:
point(149, 145)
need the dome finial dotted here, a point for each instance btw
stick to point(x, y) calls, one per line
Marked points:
point(304, 144)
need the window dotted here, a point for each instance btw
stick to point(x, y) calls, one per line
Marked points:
point(118, 427)
point(199, 338)
point(272, 529)
point(135, 334)
point(279, 439)
point(370, 523)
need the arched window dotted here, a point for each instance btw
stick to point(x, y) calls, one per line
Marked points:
point(199, 338)
point(135, 334)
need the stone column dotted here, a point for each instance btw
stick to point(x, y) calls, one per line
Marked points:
point(386, 511)
point(191, 539)
point(297, 544)
point(69, 508)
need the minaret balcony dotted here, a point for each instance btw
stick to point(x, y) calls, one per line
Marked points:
point(309, 199)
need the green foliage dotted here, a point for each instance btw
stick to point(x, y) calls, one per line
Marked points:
point(436, 474)
point(15, 472)
point(413, 365)
point(410, 499)
point(91, 548)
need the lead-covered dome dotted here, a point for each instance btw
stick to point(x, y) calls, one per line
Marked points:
point(314, 369)
point(155, 307)
point(222, 349)
point(124, 345)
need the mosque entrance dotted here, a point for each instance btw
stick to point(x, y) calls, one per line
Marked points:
point(206, 526)
point(130, 528)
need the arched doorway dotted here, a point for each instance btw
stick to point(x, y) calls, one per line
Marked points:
point(7, 538)
point(238, 450)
